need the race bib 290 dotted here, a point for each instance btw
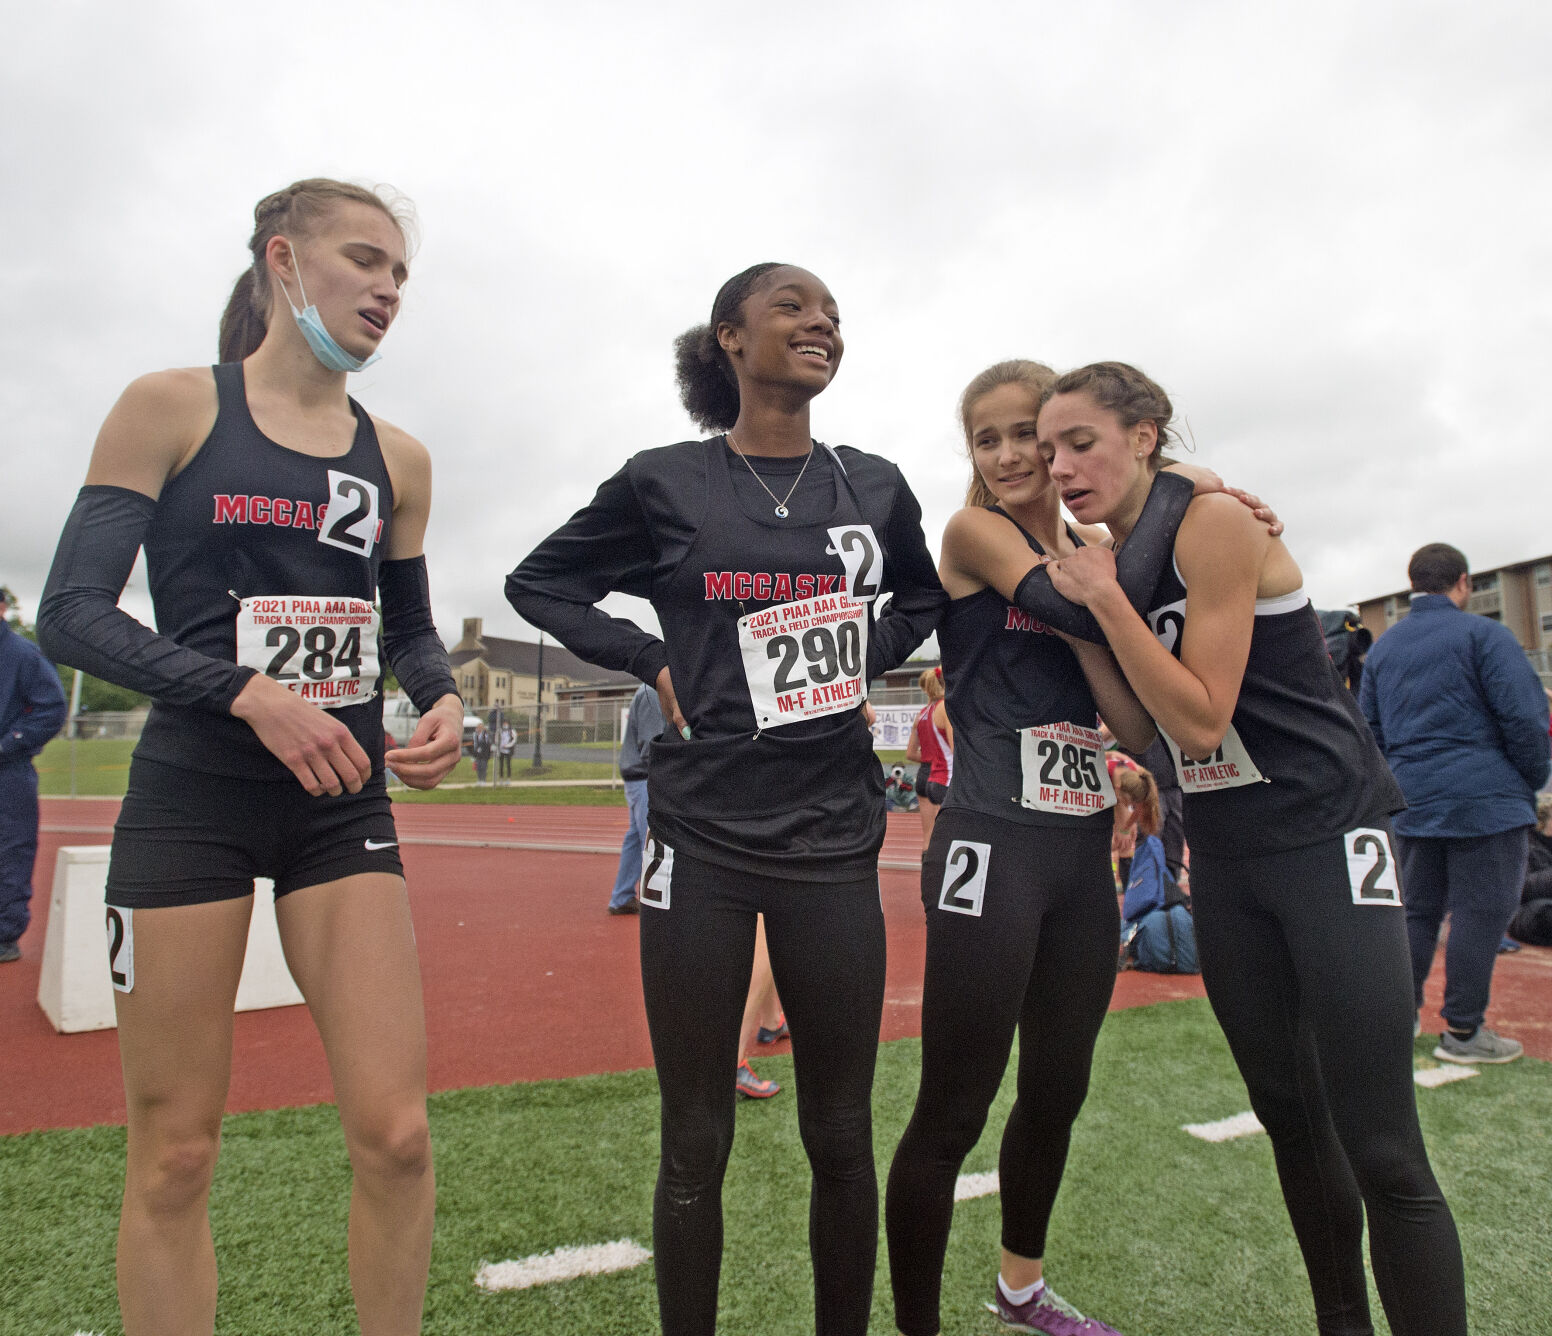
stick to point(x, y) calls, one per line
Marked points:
point(324, 649)
point(806, 659)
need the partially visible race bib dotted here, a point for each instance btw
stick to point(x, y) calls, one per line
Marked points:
point(1227, 768)
point(1064, 770)
point(806, 659)
point(324, 649)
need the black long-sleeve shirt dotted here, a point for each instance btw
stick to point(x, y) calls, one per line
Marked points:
point(690, 528)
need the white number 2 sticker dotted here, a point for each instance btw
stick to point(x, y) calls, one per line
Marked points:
point(864, 561)
point(657, 877)
point(121, 948)
point(964, 877)
point(1371, 867)
point(352, 520)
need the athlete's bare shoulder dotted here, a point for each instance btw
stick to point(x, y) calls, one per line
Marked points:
point(399, 447)
point(159, 422)
point(1221, 541)
point(408, 463)
point(175, 393)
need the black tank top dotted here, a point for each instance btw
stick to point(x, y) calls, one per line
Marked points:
point(1005, 674)
point(267, 556)
point(1298, 764)
point(769, 660)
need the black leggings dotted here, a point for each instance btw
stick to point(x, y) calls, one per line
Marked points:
point(1037, 951)
point(1314, 990)
point(826, 944)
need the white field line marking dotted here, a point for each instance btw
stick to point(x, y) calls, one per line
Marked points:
point(1247, 1124)
point(1226, 1129)
point(1438, 1076)
point(595, 1259)
point(975, 1185)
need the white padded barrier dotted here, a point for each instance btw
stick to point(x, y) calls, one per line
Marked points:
point(74, 989)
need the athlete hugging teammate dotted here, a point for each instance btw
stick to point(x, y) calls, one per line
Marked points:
point(1298, 910)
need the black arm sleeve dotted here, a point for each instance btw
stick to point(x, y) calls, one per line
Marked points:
point(916, 599)
point(80, 623)
point(410, 642)
point(1139, 563)
point(605, 546)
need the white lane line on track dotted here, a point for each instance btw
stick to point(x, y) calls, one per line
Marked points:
point(594, 1259)
point(1226, 1129)
point(1438, 1076)
point(1247, 1124)
point(971, 1186)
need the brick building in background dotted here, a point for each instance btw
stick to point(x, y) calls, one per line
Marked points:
point(1518, 595)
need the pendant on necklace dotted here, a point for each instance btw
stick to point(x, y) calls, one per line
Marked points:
point(781, 512)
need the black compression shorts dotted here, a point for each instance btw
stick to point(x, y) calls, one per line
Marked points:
point(186, 838)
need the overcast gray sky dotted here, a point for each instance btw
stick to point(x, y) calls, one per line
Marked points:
point(1323, 227)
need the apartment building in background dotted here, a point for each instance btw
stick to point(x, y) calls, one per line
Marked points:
point(1518, 595)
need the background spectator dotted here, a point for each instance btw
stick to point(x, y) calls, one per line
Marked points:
point(1532, 922)
point(32, 709)
point(480, 748)
point(506, 744)
point(643, 723)
point(1462, 719)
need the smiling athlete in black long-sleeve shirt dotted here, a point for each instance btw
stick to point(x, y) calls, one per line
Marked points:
point(767, 557)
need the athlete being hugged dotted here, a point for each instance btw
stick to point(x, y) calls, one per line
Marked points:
point(1297, 906)
point(274, 512)
point(1016, 882)
point(766, 556)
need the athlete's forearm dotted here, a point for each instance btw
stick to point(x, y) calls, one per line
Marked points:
point(1114, 698)
point(81, 624)
point(1174, 697)
point(916, 599)
point(410, 642)
point(1139, 563)
point(604, 547)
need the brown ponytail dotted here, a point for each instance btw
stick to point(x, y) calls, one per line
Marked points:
point(294, 211)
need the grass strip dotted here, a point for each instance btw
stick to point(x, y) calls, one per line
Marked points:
point(1154, 1231)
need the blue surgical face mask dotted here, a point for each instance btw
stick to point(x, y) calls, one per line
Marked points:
point(323, 344)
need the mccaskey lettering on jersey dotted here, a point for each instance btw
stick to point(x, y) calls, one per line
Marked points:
point(770, 586)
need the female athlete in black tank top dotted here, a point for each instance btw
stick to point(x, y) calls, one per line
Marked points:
point(1016, 882)
point(275, 514)
point(768, 558)
point(1298, 911)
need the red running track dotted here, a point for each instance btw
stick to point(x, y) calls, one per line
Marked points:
point(526, 976)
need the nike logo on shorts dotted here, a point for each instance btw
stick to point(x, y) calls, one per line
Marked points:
point(372, 846)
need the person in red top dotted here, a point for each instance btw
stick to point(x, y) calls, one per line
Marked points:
point(931, 745)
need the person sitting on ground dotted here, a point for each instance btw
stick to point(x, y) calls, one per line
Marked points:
point(1157, 934)
point(1532, 922)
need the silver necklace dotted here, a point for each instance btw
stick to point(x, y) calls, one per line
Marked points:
point(781, 501)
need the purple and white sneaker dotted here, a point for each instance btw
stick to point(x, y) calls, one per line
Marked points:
point(1047, 1314)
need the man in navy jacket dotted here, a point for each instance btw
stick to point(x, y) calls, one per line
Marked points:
point(32, 708)
point(643, 723)
point(1462, 719)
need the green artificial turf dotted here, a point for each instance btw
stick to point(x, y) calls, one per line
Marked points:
point(1159, 1233)
point(101, 767)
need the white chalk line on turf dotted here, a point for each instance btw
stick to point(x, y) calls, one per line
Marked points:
point(970, 1186)
point(1226, 1129)
point(1438, 1076)
point(1247, 1124)
point(595, 1259)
